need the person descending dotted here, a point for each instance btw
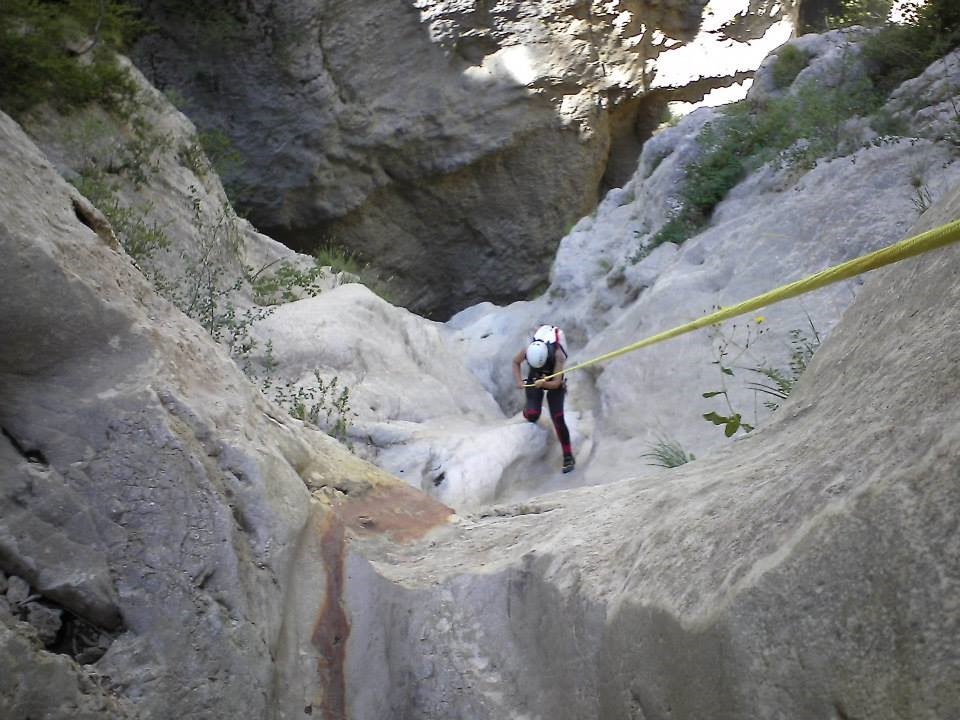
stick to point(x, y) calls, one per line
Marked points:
point(546, 355)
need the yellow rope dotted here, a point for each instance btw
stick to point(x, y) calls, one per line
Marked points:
point(924, 242)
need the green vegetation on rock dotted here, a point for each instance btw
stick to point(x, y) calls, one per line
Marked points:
point(794, 131)
point(790, 61)
point(63, 53)
point(846, 13)
point(733, 354)
point(799, 128)
point(667, 452)
point(902, 51)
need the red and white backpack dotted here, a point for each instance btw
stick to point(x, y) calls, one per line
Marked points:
point(553, 336)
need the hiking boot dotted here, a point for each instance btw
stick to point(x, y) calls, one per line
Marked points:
point(568, 463)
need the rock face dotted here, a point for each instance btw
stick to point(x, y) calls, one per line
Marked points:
point(417, 410)
point(148, 175)
point(810, 570)
point(412, 407)
point(776, 226)
point(161, 553)
point(173, 545)
point(928, 103)
point(449, 143)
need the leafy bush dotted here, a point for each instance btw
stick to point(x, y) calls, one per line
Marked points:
point(205, 292)
point(902, 51)
point(706, 180)
point(212, 151)
point(207, 288)
point(792, 131)
point(798, 129)
point(285, 282)
point(859, 12)
point(341, 259)
point(730, 349)
point(140, 238)
point(63, 52)
point(790, 61)
point(326, 406)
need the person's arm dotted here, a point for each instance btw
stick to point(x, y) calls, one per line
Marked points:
point(557, 382)
point(517, 362)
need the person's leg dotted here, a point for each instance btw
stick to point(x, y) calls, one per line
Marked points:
point(534, 404)
point(555, 403)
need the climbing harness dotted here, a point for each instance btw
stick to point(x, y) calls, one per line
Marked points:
point(924, 242)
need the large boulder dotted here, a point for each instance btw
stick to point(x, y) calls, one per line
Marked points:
point(451, 144)
point(928, 103)
point(170, 542)
point(397, 388)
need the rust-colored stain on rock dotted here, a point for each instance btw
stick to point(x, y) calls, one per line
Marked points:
point(399, 511)
point(332, 628)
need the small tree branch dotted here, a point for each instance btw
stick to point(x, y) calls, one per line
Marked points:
point(95, 40)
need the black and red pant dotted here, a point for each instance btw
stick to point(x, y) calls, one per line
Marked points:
point(555, 402)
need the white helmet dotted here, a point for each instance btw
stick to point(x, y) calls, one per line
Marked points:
point(537, 354)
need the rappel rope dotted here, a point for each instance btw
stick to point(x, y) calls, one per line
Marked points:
point(916, 245)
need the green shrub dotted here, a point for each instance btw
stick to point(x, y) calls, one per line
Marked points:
point(887, 125)
point(730, 349)
point(140, 238)
point(63, 52)
point(213, 151)
point(326, 405)
point(859, 12)
point(219, 148)
point(193, 158)
point(798, 129)
point(205, 292)
point(790, 61)
point(902, 51)
point(706, 180)
point(675, 230)
point(134, 161)
point(793, 131)
point(285, 283)
point(207, 289)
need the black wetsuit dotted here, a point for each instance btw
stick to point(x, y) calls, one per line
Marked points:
point(554, 401)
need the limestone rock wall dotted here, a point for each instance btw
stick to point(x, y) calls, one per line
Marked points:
point(161, 553)
point(146, 173)
point(774, 227)
point(417, 408)
point(414, 407)
point(451, 142)
point(173, 545)
point(810, 570)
